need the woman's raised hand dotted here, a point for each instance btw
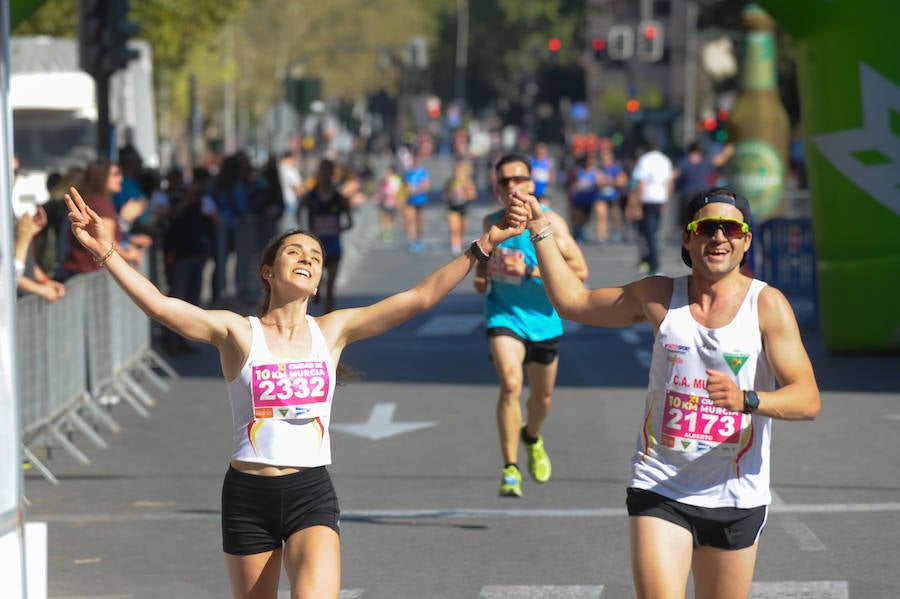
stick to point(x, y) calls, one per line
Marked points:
point(87, 226)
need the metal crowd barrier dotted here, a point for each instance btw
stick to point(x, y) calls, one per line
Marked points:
point(789, 263)
point(76, 357)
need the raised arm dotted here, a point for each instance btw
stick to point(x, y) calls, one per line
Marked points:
point(208, 326)
point(611, 307)
point(346, 326)
point(568, 247)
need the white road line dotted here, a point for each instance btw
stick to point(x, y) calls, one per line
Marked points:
point(800, 508)
point(345, 594)
point(813, 589)
point(805, 538)
point(833, 508)
point(541, 592)
point(629, 336)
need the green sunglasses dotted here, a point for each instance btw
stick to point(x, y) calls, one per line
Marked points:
point(732, 228)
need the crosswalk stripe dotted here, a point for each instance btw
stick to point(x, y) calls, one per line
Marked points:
point(807, 589)
point(811, 589)
point(541, 592)
point(345, 594)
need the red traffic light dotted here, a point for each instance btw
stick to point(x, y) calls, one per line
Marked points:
point(710, 124)
point(598, 44)
point(554, 45)
point(650, 32)
point(632, 105)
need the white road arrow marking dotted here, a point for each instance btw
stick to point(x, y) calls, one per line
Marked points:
point(379, 425)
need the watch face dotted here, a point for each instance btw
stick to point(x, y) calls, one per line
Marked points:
point(751, 401)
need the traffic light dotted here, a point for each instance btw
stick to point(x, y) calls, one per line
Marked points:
point(620, 45)
point(632, 105)
point(599, 47)
point(554, 45)
point(715, 126)
point(721, 132)
point(104, 31)
point(93, 40)
point(120, 31)
point(650, 40)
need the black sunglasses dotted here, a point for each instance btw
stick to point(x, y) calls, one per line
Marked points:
point(515, 180)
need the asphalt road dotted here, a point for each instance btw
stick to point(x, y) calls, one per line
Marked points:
point(417, 465)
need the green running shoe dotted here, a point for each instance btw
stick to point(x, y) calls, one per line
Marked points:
point(538, 460)
point(511, 483)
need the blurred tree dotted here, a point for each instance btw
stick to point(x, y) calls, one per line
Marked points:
point(353, 46)
point(58, 18)
point(507, 44)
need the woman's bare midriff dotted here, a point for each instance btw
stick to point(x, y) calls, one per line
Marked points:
point(263, 469)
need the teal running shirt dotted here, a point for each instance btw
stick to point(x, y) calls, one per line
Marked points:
point(516, 303)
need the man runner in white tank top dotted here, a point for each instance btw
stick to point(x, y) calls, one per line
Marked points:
point(727, 359)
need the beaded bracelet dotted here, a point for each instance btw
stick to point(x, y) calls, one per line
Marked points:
point(102, 261)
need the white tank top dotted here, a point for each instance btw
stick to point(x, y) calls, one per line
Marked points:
point(689, 450)
point(282, 409)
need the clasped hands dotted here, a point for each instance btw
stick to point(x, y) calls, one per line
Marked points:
point(527, 209)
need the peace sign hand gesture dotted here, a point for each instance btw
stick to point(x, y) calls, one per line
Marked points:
point(87, 226)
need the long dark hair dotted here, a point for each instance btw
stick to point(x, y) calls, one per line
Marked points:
point(96, 176)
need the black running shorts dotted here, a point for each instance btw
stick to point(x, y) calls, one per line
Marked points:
point(542, 352)
point(259, 513)
point(721, 527)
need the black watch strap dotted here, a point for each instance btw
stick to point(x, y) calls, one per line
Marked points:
point(751, 402)
point(478, 252)
point(529, 271)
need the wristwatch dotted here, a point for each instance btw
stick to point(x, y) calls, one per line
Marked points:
point(478, 253)
point(529, 271)
point(751, 402)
